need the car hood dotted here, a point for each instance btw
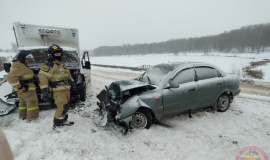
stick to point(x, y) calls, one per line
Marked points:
point(129, 84)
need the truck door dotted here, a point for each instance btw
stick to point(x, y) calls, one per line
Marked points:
point(86, 61)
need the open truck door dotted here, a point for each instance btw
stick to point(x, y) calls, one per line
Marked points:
point(86, 60)
point(86, 66)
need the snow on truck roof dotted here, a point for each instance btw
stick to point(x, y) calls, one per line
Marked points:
point(45, 47)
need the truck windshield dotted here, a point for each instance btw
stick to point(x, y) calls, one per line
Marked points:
point(41, 56)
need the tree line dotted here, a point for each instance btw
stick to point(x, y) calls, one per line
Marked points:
point(253, 38)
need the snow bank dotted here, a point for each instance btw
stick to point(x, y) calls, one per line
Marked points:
point(116, 69)
point(266, 71)
point(254, 97)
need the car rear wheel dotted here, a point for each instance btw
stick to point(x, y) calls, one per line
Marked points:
point(223, 102)
point(141, 119)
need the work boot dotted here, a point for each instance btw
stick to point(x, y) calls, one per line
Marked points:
point(58, 125)
point(66, 122)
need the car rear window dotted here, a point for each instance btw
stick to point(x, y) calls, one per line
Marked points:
point(206, 73)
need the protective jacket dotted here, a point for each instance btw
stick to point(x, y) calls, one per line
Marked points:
point(20, 76)
point(55, 75)
point(20, 73)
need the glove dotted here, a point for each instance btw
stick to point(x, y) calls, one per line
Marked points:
point(45, 94)
point(25, 88)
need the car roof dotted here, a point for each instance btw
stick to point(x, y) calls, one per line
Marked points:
point(174, 65)
point(182, 63)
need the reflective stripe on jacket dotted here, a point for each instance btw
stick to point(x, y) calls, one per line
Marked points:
point(19, 72)
point(56, 72)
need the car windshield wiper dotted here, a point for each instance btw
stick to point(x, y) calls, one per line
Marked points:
point(148, 80)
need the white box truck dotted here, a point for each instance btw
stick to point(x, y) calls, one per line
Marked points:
point(36, 39)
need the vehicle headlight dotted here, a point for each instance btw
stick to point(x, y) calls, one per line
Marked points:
point(118, 115)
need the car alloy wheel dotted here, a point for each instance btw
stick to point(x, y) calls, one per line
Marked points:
point(223, 103)
point(141, 119)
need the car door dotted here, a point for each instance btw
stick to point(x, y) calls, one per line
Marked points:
point(183, 98)
point(210, 85)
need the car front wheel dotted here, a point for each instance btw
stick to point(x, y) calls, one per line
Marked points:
point(141, 119)
point(223, 103)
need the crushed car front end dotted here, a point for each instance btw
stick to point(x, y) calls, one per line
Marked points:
point(122, 99)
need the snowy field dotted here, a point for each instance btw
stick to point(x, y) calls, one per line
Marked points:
point(223, 61)
point(208, 135)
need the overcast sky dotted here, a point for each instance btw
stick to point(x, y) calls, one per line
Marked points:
point(117, 22)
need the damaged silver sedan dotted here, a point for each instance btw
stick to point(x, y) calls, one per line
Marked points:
point(167, 89)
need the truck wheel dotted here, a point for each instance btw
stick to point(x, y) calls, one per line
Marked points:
point(141, 119)
point(82, 91)
point(223, 102)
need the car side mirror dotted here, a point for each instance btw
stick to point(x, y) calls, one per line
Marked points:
point(7, 67)
point(87, 65)
point(173, 84)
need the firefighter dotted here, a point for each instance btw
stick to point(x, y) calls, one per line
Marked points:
point(20, 78)
point(55, 84)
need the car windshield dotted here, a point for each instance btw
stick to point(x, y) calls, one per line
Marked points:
point(156, 74)
point(41, 56)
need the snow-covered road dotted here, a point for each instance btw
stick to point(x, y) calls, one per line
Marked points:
point(208, 135)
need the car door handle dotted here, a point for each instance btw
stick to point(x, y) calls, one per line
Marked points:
point(219, 83)
point(190, 90)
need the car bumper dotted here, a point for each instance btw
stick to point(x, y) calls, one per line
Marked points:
point(126, 123)
point(236, 92)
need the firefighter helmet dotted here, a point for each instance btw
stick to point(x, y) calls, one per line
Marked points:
point(54, 49)
point(23, 54)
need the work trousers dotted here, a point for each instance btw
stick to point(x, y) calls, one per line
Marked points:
point(61, 99)
point(28, 105)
